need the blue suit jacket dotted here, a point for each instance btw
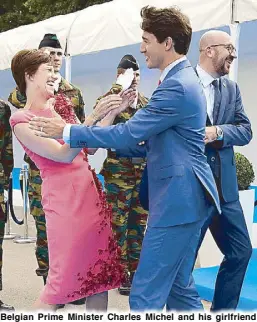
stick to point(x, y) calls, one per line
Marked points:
point(173, 125)
point(237, 131)
point(231, 118)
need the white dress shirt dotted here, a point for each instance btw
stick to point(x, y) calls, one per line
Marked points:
point(209, 91)
point(170, 66)
point(206, 80)
point(66, 133)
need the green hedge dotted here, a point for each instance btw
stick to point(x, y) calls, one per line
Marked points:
point(244, 171)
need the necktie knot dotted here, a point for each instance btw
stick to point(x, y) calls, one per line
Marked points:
point(215, 83)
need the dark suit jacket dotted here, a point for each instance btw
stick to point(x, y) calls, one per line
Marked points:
point(236, 127)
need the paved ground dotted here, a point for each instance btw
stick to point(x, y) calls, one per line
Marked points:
point(22, 286)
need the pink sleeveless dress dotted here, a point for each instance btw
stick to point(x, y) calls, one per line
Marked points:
point(84, 258)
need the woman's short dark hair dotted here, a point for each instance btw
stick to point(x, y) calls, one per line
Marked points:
point(168, 22)
point(27, 61)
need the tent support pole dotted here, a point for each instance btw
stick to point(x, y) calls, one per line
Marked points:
point(67, 54)
point(235, 33)
point(68, 68)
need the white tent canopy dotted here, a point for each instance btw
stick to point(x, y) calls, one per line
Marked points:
point(116, 24)
point(245, 10)
point(107, 32)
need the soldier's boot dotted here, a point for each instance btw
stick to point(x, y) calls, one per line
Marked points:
point(125, 287)
point(6, 307)
point(78, 302)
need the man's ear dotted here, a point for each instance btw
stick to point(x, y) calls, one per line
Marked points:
point(209, 52)
point(168, 43)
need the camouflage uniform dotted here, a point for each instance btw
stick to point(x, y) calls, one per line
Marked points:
point(35, 181)
point(6, 166)
point(122, 180)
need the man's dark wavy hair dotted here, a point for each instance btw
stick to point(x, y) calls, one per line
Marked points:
point(168, 22)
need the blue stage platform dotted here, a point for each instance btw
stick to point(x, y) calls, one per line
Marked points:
point(255, 209)
point(205, 282)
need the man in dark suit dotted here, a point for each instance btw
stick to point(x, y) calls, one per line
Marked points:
point(227, 126)
point(181, 184)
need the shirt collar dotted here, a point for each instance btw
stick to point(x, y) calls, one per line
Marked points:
point(170, 66)
point(59, 78)
point(57, 82)
point(206, 78)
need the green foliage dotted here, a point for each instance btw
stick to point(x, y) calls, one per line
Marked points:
point(244, 171)
point(15, 13)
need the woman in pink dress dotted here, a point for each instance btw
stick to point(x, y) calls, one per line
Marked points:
point(83, 253)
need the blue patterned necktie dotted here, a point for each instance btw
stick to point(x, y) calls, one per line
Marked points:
point(217, 100)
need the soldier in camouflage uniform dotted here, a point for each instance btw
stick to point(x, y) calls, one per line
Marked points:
point(51, 44)
point(122, 179)
point(6, 167)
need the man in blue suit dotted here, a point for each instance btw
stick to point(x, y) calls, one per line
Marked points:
point(227, 126)
point(181, 185)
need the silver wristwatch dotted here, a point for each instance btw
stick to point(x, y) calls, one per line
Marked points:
point(219, 133)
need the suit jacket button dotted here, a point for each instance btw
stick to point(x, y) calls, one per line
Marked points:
point(212, 159)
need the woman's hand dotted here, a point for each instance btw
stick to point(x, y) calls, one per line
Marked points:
point(128, 98)
point(106, 105)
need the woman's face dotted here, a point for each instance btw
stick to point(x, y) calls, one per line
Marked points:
point(43, 80)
